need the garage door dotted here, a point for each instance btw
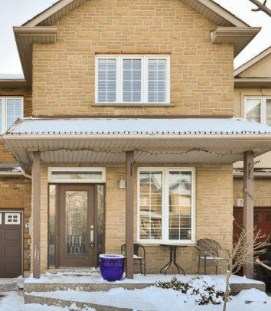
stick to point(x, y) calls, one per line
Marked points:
point(10, 244)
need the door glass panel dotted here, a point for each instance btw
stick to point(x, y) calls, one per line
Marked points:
point(52, 226)
point(76, 222)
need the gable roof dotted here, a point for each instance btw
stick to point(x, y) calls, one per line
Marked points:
point(208, 8)
point(42, 29)
point(262, 82)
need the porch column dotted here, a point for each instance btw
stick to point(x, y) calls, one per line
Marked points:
point(36, 214)
point(248, 213)
point(129, 214)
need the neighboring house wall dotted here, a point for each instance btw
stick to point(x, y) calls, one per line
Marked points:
point(16, 191)
point(201, 72)
point(5, 156)
point(16, 195)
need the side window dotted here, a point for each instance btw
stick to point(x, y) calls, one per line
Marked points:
point(258, 109)
point(11, 108)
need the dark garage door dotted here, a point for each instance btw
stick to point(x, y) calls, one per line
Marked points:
point(10, 244)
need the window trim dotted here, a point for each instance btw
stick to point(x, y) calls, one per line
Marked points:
point(144, 78)
point(4, 99)
point(73, 169)
point(262, 99)
point(165, 210)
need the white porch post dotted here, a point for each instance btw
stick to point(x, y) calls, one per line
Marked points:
point(129, 214)
point(248, 213)
point(36, 214)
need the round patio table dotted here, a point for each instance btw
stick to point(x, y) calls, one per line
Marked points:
point(172, 258)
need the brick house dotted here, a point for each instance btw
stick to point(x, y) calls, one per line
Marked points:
point(140, 91)
point(252, 99)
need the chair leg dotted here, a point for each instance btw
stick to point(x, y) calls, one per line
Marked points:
point(140, 262)
point(205, 265)
point(198, 264)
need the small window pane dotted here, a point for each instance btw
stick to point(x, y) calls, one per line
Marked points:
point(268, 111)
point(157, 80)
point(107, 79)
point(151, 205)
point(253, 109)
point(132, 80)
point(14, 110)
point(180, 205)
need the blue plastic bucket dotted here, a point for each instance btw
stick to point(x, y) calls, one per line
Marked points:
point(111, 266)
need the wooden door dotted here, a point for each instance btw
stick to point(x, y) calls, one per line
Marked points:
point(76, 227)
point(262, 221)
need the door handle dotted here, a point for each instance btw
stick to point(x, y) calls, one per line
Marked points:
point(91, 238)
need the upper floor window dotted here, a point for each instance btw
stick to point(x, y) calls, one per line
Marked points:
point(258, 108)
point(166, 205)
point(132, 79)
point(11, 108)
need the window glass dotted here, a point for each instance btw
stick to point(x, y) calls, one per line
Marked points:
point(132, 80)
point(11, 108)
point(165, 205)
point(253, 109)
point(268, 111)
point(180, 203)
point(151, 205)
point(14, 110)
point(157, 80)
point(107, 79)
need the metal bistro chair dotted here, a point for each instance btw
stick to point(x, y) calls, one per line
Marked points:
point(139, 255)
point(209, 249)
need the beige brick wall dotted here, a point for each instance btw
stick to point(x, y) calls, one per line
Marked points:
point(262, 193)
point(201, 72)
point(16, 195)
point(213, 215)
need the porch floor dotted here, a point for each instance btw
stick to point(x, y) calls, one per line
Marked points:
point(87, 280)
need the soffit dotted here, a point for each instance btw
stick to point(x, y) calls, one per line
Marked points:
point(252, 83)
point(238, 36)
point(25, 38)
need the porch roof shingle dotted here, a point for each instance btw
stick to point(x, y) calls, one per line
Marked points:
point(136, 126)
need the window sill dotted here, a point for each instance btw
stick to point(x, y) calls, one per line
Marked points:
point(133, 105)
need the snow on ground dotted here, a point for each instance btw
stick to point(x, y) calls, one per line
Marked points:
point(148, 299)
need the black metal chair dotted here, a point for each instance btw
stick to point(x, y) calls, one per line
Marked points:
point(139, 255)
point(210, 250)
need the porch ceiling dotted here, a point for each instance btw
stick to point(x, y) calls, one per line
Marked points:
point(90, 140)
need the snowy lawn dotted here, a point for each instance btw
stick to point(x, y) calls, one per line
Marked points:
point(149, 299)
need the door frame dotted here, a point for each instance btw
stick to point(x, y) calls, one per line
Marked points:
point(21, 211)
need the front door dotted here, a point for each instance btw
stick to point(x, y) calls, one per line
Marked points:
point(76, 230)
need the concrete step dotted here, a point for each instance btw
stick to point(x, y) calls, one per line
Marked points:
point(30, 298)
point(86, 287)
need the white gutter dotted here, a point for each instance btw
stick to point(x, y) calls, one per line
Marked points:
point(236, 136)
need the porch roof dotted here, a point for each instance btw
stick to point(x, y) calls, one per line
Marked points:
point(105, 140)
